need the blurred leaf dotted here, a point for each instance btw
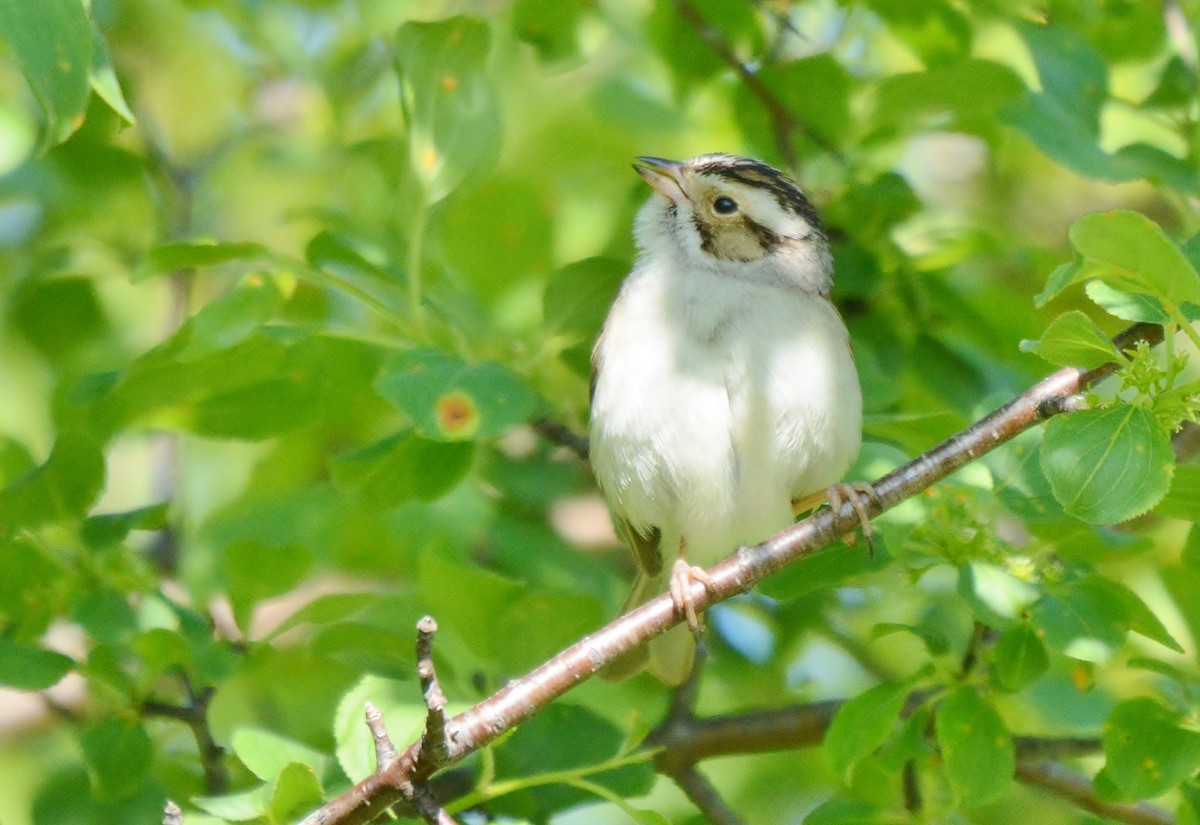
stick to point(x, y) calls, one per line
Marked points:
point(26, 667)
point(996, 596)
point(105, 614)
point(1074, 340)
point(112, 528)
point(104, 78)
point(1191, 549)
point(59, 316)
point(538, 625)
point(1070, 70)
point(824, 116)
point(845, 812)
point(451, 400)
point(862, 724)
point(578, 296)
point(1108, 465)
point(237, 807)
point(976, 746)
point(1147, 750)
point(266, 753)
point(936, 31)
point(169, 257)
point(400, 468)
point(62, 488)
point(551, 28)
point(255, 571)
point(678, 42)
point(294, 792)
point(452, 114)
point(119, 754)
point(1176, 86)
point(257, 411)
point(403, 712)
point(52, 41)
point(161, 650)
point(469, 599)
point(968, 89)
point(1019, 657)
point(566, 737)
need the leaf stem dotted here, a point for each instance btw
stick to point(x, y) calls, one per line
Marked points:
point(568, 777)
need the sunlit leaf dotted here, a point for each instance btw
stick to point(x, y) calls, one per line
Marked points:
point(1019, 657)
point(1109, 465)
point(862, 724)
point(1074, 340)
point(1136, 255)
point(402, 467)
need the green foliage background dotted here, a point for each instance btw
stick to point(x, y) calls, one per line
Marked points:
point(284, 284)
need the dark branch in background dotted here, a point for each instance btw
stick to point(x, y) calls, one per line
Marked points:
point(523, 697)
point(194, 714)
point(563, 436)
point(1078, 789)
point(783, 121)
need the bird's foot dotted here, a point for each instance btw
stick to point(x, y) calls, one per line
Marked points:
point(682, 577)
point(855, 492)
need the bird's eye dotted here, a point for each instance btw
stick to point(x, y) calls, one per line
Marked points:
point(725, 205)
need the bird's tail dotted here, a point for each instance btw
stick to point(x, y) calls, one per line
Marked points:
point(669, 656)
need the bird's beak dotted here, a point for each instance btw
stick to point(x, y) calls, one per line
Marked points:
point(666, 176)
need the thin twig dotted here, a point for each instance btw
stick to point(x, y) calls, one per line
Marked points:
point(1079, 790)
point(385, 751)
point(195, 715)
point(705, 797)
point(563, 436)
point(434, 747)
point(521, 698)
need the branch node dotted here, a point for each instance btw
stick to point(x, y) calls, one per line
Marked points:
point(172, 814)
point(385, 751)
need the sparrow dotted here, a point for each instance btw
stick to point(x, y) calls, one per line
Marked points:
point(724, 392)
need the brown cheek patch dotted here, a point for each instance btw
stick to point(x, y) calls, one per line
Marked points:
point(738, 240)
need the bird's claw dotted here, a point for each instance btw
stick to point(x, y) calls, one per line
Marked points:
point(854, 492)
point(682, 577)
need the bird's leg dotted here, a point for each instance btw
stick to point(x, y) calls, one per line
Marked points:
point(680, 587)
point(852, 491)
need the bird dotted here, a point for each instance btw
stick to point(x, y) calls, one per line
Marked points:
point(723, 391)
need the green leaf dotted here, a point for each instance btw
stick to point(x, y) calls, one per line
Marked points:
point(403, 713)
point(257, 411)
point(26, 667)
point(937, 32)
point(1127, 306)
point(1191, 549)
point(1107, 466)
point(551, 28)
point(1071, 71)
point(109, 529)
point(1019, 658)
point(170, 257)
point(296, 791)
point(104, 78)
point(846, 812)
point(1140, 617)
point(118, 753)
point(1135, 255)
point(254, 571)
point(266, 754)
point(826, 116)
point(578, 296)
point(968, 89)
point(237, 807)
point(1182, 501)
point(1073, 340)
point(453, 117)
point(567, 737)
point(469, 599)
point(1147, 751)
point(402, 467)
point(451, 400)
point(977, 748)
point(105, 614)
point(996, 596)
point(1083, 620)
point(1176, 86)
point(52, 41)
point(62, 488)
point(862, 724)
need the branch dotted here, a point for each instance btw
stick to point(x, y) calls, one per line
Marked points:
point(523, 697)
point(195, 715)
point(1078, 789)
